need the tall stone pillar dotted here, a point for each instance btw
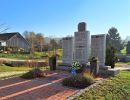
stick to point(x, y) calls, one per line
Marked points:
point(98, 48)
point(81, 44)
point(67, 50)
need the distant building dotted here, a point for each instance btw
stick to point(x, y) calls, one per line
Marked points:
point(14, 40)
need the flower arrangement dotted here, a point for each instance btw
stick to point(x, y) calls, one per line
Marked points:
point(75, 65)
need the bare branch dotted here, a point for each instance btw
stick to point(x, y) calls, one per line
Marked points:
point(3, 28)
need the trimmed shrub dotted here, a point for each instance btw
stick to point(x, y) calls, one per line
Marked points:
point(78, 81)
point(30, 63)
point(111, 56)
point(128, 48)
point(27, 63)
point(35, 73)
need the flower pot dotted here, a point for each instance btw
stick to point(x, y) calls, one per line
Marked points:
point(73, 71)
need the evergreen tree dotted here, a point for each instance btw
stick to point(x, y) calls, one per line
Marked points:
point(113, 39)
point(110, 56)
point(128, 48)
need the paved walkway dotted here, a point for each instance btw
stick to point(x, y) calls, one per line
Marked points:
point(48, 88)
point(123, 68)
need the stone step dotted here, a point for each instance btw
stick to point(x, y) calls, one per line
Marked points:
point(113, 72)
point(66, 68)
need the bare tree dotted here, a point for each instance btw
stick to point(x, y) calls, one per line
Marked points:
point(53, 45)
point(40, 41)
point(3, 28)
point(31, 38)
point(35, 39)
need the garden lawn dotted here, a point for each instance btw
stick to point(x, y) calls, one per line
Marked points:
point(9, 69)
point(122, 64)
point(34, 56)
point(4, 75)
point(123, 51)
point(116, 88)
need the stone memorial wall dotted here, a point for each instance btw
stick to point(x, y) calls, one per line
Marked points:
point(81, 46)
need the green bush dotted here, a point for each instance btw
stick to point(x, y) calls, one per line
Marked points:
point(35, 73)
point(78, 81)
point(111, 56)
point(128, 47)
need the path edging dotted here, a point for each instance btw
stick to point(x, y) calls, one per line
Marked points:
point(78, 93)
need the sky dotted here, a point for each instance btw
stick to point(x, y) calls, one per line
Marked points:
point(59, 18)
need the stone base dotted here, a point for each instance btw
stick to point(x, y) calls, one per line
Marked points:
point(113, 72)
point(105, 68)
point(103, 71)
point(108, 71)
point(66, 67)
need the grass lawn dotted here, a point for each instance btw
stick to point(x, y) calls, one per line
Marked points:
point(4, 75)
point(127, 62)
point(21, 56)
point(35, 55)
point(7, 71)
point(122, 64)
point(116, 88)
point(123, 51)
